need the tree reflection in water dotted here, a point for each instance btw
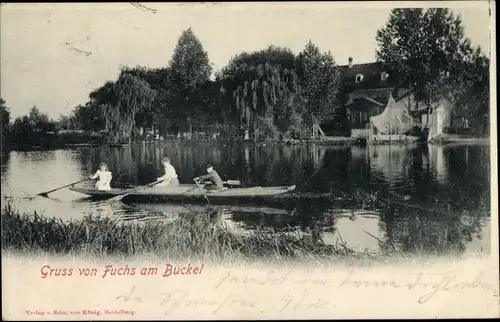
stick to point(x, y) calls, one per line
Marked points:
point(438, 227)
point(4, 166)
point(450, 185)
point(424, 232)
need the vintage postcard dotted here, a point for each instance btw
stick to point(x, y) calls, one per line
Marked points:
point(281, 160)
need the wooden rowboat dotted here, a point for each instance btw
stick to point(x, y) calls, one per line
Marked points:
point(187, 192)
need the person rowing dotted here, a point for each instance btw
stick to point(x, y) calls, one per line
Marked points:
point(213, 177)
point(170, 177)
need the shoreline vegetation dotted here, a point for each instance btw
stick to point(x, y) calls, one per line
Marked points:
point(83, 141)
point(277, 94)
point(198, 236)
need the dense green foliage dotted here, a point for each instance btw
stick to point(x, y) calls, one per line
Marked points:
point(268, 92)
point(121, 102)
point(320, 82)
point(4, 121)
point(273, 92)
point(31, 129)
point(429, 50)
point(36, 130)
point(260, 92)
point(190, 71)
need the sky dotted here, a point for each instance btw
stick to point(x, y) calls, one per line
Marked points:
point(53, 55)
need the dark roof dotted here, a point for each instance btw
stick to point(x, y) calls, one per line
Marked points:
point(371, 76)
point(367, 68)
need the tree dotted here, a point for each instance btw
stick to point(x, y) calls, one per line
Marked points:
point(4, 116)
point(40, 121)
point(472, 93)
point(36, 116)
point(89, 117)
point(67, 122)
point(429, 51)
point(190, 63)
point(5, 120)
point(31, 129)
point(120, 102)
point(426, 48)
point(190, 68)
point(160, 80)
point(260, 91)
point(320, 82)
point(23, 131)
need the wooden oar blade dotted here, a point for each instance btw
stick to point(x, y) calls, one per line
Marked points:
point(233, 182)
point(201, 189)
point(46, 193)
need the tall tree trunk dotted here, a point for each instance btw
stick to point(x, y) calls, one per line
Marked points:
point(190, 125)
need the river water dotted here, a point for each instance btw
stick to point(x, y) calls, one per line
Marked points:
point(424, 177)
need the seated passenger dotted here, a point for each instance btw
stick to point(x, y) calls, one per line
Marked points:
point(104, 175)
point(170, 176)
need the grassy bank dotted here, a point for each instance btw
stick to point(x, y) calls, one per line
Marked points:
point(196, 237)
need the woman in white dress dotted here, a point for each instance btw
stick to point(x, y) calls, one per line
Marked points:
point(170, 178)
point(104, 175)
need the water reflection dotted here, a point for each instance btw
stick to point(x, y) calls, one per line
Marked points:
point(391, 163)
point(439, 162)
point(445, 189)
point(4, 166)
point(424, 233)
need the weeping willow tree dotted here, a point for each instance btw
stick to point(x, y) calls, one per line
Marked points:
point(260, 92)
point(120, 103)
point(160, 80)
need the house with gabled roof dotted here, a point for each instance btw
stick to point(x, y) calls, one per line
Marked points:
point(366, 89)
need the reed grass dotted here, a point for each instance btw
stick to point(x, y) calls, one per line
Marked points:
point(193, 237)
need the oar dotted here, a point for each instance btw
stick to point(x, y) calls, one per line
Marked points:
point(121, 196)
point(45, 194)
point(201, 189)
point(232, 182)
point(229, 182)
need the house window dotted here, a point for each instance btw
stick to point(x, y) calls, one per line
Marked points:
point(359, 78)
point(384, 76)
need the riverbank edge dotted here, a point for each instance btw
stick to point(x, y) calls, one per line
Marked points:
point(197, 238)
point(328, 141)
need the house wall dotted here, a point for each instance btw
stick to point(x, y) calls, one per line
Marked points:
point(360, 111)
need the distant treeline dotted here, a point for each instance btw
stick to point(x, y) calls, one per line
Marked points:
point(273, 93)
point(36, 129)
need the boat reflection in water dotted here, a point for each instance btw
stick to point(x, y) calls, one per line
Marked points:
point(359, 230)
point(168, 210)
